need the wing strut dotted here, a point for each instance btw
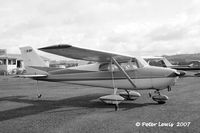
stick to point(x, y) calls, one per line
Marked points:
point(124, 72)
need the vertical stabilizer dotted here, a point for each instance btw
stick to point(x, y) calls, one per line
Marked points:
point(31, 58)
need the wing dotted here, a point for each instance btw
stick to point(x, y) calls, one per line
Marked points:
point(83, 54)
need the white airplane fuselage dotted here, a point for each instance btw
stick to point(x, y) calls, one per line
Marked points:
point(148, 77)
point(105, 74)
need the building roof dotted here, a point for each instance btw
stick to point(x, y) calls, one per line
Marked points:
point(18, 57)
point(11, 56)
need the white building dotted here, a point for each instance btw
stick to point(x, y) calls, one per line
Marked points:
point(11, 64)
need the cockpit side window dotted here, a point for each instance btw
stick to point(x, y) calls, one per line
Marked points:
point(130, 65)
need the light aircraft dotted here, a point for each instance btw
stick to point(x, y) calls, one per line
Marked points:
point(163, 62)
point(110, 71)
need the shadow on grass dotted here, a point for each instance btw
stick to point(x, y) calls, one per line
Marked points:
point(38, 106)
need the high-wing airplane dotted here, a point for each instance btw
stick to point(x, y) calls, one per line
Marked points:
point(111, 71)
point(163, 62)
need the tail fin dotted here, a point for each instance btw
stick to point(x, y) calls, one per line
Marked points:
point(31, 58)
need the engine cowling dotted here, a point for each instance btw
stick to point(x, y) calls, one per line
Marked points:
point(112, 99)
point(133, 95)
point(161, 99)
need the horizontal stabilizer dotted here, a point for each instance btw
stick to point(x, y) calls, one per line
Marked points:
point(31, 76)
point(46, 69)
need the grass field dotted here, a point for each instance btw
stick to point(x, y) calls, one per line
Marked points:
point(73, 108)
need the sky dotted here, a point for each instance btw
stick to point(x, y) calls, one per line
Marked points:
point(134, 27)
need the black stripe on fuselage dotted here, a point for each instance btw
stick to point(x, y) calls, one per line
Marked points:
point(186, 68)
point(53, 78)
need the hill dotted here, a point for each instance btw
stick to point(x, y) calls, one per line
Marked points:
point(182, 59)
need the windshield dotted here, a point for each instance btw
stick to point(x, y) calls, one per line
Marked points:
point(141, 62)
point(132, 64)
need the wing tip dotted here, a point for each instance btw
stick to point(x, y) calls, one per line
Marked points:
point(59, 46)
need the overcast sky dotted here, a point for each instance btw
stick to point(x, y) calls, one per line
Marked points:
point(136, 27)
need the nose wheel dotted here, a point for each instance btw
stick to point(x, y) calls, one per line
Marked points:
point(158, 97)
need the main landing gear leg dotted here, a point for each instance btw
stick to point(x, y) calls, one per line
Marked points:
point(128, 94)
point(150, 94)
point(116, 104)
point(169, 88)
point(155, 92)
